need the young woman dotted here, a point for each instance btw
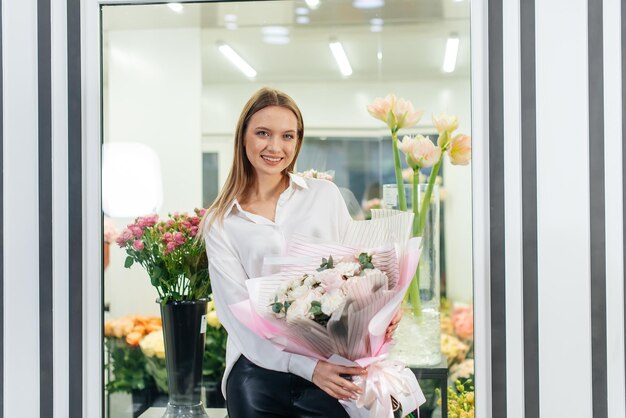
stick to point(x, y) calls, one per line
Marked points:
point(259, 208)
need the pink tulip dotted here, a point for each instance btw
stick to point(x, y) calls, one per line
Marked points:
point(460, 150)
point(445, 123)
point(138, 245)
point(381, 108)
point(406, 116)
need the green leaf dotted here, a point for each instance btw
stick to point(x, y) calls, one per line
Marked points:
point(129, 262)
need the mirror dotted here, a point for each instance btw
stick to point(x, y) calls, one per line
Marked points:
point(171, 100)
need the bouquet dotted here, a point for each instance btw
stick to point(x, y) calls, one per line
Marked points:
point(338, 311)
point(175, 260)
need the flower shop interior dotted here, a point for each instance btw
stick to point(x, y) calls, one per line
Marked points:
point(171, 100)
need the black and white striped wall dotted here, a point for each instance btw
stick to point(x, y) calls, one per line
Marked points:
point(548, 86)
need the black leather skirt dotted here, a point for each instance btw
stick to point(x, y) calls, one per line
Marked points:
point(255, 392)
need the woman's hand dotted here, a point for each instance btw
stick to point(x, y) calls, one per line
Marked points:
point(328, 377)
point(393, 326)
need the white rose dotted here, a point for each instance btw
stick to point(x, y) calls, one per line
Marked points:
point(330, 279)
point(310, 281)
point(331, 301)
point(299, 309)
point(348, 269)
point(299, 292)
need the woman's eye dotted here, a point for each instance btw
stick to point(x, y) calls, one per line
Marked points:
point(288, 136)
point(262, 133)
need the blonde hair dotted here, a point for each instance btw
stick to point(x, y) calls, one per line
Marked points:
point(241, 174)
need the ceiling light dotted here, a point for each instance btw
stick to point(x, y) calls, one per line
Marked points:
point(303, 20)
point(377, 21)
point(275, 30)
point(177, 7)
point(375, 28)
point(231, 25)
point(340, 57)
point(368, 4)
point(230, 18)
point(276, 39)
point(379, 55)
point(239, 62)
point(452, 48)
point(302, 11)
point(313, 4)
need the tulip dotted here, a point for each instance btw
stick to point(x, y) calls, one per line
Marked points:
point(445, 123)
point(460, 150)
point(381, 108)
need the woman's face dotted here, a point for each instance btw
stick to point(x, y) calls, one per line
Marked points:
point(270, 140)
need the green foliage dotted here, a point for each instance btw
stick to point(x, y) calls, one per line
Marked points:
point(326, 263)
point(214, 362)
point(365, 260)
point(127, 366)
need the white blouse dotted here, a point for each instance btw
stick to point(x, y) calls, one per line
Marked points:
point(236, 251)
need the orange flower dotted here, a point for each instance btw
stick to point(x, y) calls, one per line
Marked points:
point(134, 338)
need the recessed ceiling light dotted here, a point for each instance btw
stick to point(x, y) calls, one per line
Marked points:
point(341, 57)
point(231, 25)
point(313, 4)
point(177, 7)
point(452, 49)
point(302, 11)
point(236, 59)
point(276, 39)
point(230, 18)
point(275, 30)
point(368, 4)
point(303, 20)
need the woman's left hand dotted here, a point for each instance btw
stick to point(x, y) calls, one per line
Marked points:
point(393, 325)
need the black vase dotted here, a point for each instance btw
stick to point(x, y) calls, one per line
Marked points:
point(184, 332)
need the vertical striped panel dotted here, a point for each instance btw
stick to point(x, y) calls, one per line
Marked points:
point(596, 201)
point(1, 219)
point(60, 209)
point(46, 384)
point(614, 210)
point(480, 207)
point(563, 208)
point(496, 212)
point(529, 208)
point(75, 209)
point(513, 209)
point(21, 232)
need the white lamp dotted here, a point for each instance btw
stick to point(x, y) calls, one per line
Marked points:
point(131, 180)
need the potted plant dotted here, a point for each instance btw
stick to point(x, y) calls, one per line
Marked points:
point(176, 263)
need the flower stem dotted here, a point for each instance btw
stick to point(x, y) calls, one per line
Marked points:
point(427, 195)
point(415, 199)
point(414, 286)
point(398, 169)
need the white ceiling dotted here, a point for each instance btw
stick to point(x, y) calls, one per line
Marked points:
point(412, 40)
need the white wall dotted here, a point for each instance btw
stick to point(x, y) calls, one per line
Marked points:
point(153, 97)
point(341, 107)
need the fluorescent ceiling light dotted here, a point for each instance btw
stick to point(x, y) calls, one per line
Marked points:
point(302, 20)
point(239, 62)
point(230, 18)
point(275, 30)
point(376, 28)
point(368, 4)
point(276, 39)
point(313, 4)
point(340, 57)
point(177, 7)
point(379, 55)
point(377, 21)
point(302, 11)
point(452, 48)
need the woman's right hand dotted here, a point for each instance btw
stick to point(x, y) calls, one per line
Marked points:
point(328, 377)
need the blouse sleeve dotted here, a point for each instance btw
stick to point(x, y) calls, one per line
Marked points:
point(228, 283)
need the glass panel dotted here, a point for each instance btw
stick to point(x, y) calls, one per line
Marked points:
point(169, 89)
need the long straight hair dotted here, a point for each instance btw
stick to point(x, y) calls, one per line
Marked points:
point(242, 175)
